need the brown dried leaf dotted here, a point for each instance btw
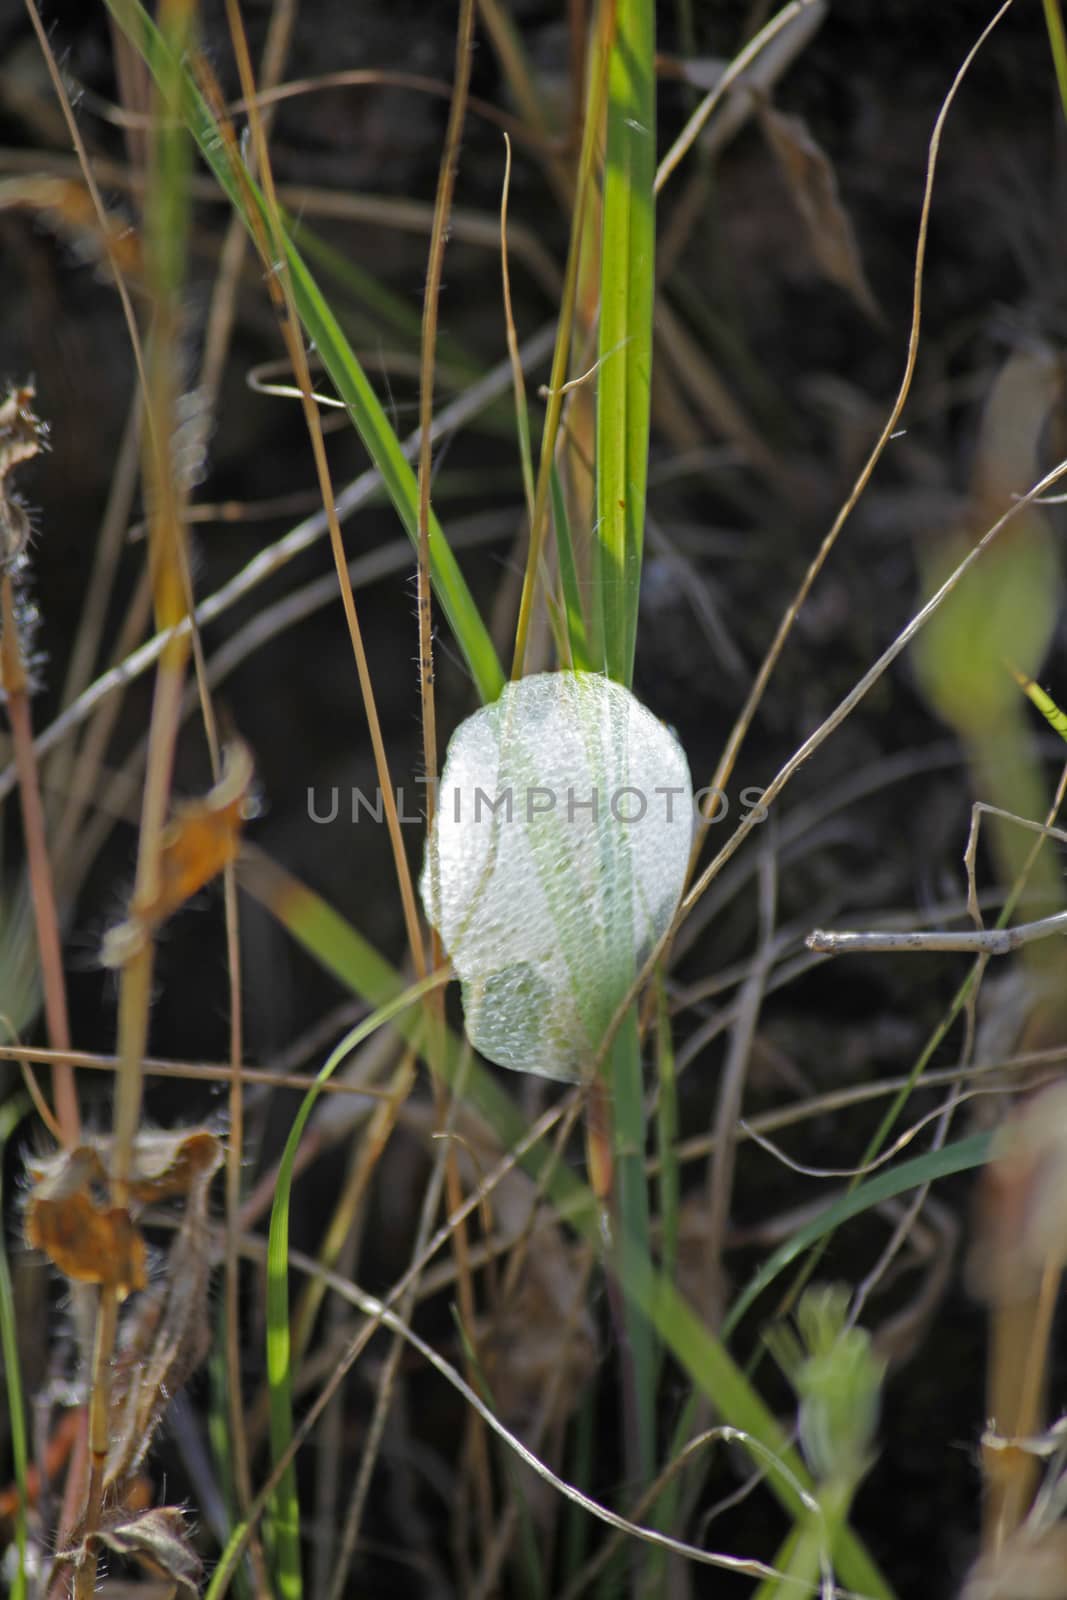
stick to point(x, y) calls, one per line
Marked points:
point(813, 185)
point(71, 1220)
point(156, 1540)
point(203, 837)
point(166, 1333)
point(167, 1164)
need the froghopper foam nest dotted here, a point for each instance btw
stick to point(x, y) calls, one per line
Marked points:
point(557, 859)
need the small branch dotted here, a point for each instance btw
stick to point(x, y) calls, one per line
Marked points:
point(985, 941)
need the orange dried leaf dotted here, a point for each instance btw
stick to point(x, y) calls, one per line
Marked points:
point(203, 837)
point(70, 1218)
point(166, 1164)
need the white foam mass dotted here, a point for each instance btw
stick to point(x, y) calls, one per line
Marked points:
point(557, 858)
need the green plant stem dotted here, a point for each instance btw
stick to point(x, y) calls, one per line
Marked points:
point(1058, 44)
point(632, 1235)
point(811, 1545)
point(627, 293)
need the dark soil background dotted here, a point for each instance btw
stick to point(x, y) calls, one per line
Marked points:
point(815, 377)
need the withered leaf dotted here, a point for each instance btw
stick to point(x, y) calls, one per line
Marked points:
point(157, 1540)
point(202, 839)
point(813, 186)
point(70, 1219)
point(166, 1164)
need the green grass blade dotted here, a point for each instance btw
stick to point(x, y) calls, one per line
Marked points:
point(285, 1514)
point(667, 1509)
point(1058, 45)
point(223, 1573)
point(380, 309)
point(167, 210)
point(667, 1134)
point(633, 1229)
point(627, 290)
point(575, 1523)
point(218, 1433)
point(958, 1157)
point(768, 1589)
point(345, 372)
point(581, 659)
point(1056, 719)
point(10, 1116)
point(710, 1367)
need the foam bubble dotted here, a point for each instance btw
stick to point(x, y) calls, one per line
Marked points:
point(557, 859)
